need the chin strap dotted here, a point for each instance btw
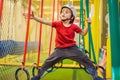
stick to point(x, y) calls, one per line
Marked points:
point(66, 19)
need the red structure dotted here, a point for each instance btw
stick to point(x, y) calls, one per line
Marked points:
point(1, 7)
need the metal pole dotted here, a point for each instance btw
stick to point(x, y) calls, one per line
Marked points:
point(115, 38)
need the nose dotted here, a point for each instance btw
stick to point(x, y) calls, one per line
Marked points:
point(63, 12)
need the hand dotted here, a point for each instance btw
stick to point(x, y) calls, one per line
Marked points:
point(89, 20)
point(26, 15)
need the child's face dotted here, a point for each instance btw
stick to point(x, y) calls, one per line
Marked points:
point(65, 14)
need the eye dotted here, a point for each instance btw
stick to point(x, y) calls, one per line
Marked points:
point(66, 12)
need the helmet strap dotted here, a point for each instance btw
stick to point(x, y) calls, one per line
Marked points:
point(68, 19)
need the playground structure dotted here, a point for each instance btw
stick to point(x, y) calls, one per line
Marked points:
point(33, 43)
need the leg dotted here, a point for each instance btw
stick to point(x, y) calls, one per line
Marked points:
point(75, 54)
point(55, 57)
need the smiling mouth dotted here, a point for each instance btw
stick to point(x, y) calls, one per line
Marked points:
point(63, 19)
point(62, 16)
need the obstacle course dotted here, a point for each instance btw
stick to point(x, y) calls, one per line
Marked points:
point(25, 43)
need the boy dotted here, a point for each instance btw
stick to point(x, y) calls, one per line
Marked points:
point(65, 44)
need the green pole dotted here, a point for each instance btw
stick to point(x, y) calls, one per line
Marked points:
point(82, 25)
point(87, 11)
point(115, 38)
point(81, 14)
point(79, 37)
point(91, 46)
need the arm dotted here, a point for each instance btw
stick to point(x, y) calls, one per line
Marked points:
point(41, 20)
point(84, 31)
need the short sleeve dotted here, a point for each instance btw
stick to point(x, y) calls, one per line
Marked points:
point(77, 29)
point(55, 23)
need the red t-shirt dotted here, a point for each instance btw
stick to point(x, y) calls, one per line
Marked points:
point(65, 35)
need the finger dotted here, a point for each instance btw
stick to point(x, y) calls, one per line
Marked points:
point(88, 20)
point(25, 14)
point(32, 12)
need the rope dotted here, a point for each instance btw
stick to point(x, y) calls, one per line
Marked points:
point(1, 7)
point(27, 31)
point(51, 29)
point(40, 34)
point(91, 46)
point(81, 45)
point(25, 47)
point(51, 70)
point(36, 65)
